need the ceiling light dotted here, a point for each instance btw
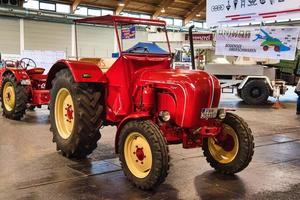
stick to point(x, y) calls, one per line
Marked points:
point(198, 15)
point(163, 10)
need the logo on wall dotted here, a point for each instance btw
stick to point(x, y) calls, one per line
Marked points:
point(235, 2)
point(217, 8)
point(252, 3)
point(263, 1)
point(228, 6)
point(272, 2)
point(243, 4)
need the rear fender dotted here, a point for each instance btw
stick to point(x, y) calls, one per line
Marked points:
point(83, 72)
point(19, 74)
point(249, 78)
point(131, 117)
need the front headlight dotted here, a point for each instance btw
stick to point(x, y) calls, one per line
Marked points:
point(222, 114)
point(164, 116)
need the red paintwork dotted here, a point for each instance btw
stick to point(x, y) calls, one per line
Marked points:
point(40, 97)
point(139, 86)
point(36, 90)
point(78, 68)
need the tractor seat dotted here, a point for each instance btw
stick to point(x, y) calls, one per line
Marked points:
point(103, 63)
point(35, 71)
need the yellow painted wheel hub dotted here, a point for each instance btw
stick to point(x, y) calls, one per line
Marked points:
point(224, 150)
point(9, 96)
point(64, 113)
point(138, 155)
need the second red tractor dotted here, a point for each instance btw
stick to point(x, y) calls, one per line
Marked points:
point(22, 86)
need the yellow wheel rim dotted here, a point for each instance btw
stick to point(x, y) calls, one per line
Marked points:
point(9, 96)
point(224, 151)
point(138, 155)
point(64, 113)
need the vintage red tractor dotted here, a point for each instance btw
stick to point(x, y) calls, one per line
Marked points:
point(152, 105)
point(22, 87)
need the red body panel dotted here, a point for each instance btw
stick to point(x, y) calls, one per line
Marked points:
point(40, 97)
point(188, 88)
point(82, 72)
point(122, 83)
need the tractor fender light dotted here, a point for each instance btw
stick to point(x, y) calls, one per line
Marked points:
point(222, 114)
point(86, 76)
point(164, 116)
point(25, 82)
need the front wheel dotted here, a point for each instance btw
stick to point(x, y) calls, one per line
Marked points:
point(143, 154)
point(231, 151)
point(75, 115)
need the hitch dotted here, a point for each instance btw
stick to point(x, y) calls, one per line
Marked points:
point(194, 139)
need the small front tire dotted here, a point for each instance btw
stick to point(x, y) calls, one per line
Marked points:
point(232, 150)
point(143, 153)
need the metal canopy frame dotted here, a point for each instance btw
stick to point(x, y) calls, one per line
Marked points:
point(116, 21)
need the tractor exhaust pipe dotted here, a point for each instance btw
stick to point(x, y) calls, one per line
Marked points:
point(192, 46)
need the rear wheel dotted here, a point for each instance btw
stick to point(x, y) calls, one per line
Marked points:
point(75, 114)
point(255, 92)
point(13, 97)
point(232, 150)
point(143, 153)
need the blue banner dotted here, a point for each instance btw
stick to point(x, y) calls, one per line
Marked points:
point(128, 33)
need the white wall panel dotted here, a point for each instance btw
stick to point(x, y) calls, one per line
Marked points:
point(47, 36)
point(95, 41)
point(9, 36)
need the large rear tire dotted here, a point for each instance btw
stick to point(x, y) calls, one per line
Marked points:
point(255, 92)
point(75, 115)
point(143, 153)
point(232, 150)
point(13, 98)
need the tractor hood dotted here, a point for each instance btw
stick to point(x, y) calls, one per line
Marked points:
point(192, 91)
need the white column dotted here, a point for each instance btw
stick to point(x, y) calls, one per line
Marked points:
point(116, 46)
point(73, 40)
point(22, 43)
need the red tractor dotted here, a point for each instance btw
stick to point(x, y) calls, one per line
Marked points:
point(22, 87)
point(151, 104)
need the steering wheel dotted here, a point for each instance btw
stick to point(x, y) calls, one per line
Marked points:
point(11, 63)
point(27, 62)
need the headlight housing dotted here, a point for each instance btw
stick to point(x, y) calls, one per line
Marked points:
point(164, 116)
point(221, 114)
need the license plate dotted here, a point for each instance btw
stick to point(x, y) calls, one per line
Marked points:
point(209, 113)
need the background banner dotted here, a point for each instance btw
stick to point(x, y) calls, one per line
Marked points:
point(220, 12)
point(260, 42)
point(128, 33)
